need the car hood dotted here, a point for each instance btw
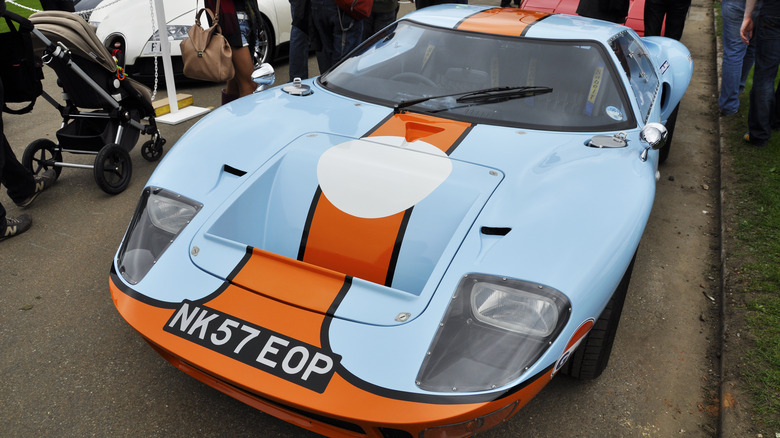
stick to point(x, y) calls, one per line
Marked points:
point(336, 187)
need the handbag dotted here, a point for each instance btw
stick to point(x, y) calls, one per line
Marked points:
point(357, 9)
point(206, 53)
point(20, 70)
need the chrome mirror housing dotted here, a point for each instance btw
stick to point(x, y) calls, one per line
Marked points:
point(655, 135)
point(264, 76)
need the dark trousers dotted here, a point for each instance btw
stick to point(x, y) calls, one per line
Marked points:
point(337, 32)
point(18, 181)
point(762, 95)
point(674, 11)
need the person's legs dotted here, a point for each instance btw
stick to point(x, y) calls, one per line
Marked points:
point(733, 54)
point(299, 54)
point(676, 13)
point(348, 35)
point(762, 95)
point(655, 10)
point(18, 181)
point(747, 63)
point(323, 14)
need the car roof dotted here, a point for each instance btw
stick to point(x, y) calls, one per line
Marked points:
point(516, 22)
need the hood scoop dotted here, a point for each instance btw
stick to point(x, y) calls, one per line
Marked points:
point(382, 214)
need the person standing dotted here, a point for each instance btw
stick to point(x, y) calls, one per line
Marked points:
point(766, 30)
point(239, 21)
point(336, 32)
point(299, 39)
point(615, 11)
point(673, 11)
point(383, 13)
point(21, 185)
point(737, 59)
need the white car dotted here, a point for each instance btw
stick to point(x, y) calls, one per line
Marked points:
point(128, 30)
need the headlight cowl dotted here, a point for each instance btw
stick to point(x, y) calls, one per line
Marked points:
point(159, 218)
point(494, 329)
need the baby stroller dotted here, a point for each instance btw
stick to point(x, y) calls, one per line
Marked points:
point(103, 110)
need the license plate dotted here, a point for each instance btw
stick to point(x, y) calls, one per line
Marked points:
point(152, 48)
point(269, 351)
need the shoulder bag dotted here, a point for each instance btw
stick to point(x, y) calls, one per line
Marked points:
point(206, 53)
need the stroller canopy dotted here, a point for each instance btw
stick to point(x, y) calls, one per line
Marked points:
point(77, 35)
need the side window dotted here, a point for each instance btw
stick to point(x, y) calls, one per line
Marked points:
point(641, 75)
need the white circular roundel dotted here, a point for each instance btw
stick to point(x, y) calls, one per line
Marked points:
point(376, 177)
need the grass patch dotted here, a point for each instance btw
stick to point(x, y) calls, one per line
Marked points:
point(758, 236)
point(35, 4)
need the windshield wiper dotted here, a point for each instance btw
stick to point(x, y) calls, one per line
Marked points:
point(488, 95)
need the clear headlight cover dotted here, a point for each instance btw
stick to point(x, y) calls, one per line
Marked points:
point(159, 218)
point(175, 33)
point(494, 329)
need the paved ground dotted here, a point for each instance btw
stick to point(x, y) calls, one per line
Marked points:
point(71, 366)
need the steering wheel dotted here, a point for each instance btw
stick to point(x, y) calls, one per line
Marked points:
point(413, 78)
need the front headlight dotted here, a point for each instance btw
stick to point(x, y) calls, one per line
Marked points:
point(175, 33)
point(159, 218)
point(494, 329)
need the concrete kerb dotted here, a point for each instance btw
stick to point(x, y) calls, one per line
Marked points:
point(729, 405)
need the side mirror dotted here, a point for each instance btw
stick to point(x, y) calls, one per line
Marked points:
point(655, 135)
point(264, 76)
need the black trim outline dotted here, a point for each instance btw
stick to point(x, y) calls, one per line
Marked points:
point(460, 139)
point(307, 227)
point(399, 240)
point(529, 26)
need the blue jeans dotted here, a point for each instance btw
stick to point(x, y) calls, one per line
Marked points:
point(762, 95)
point(299, 54)
point(733, 54)
point(338, 32)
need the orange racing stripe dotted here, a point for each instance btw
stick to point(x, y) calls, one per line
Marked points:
point(510, 22)
point(368, 248)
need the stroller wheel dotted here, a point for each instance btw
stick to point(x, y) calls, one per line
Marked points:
point(113, 169)
point(40, 155)
point(152, 150)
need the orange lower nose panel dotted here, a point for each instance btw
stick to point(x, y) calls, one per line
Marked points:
point(287, 368)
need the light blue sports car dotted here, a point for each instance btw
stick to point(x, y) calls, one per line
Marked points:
point(414, 243)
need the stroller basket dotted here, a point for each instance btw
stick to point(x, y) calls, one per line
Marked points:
point(92, 133)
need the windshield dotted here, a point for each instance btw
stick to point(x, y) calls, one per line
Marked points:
point(432, 68)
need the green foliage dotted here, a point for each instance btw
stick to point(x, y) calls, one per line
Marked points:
point(34, 4)
point(758, 233)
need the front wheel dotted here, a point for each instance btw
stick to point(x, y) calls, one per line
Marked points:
point(113, 169)
point(41, 155)
point(663, 154)
point(591, 357)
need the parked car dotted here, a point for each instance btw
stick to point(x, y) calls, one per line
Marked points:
point(414, 243)
point(635, 19)
point(126, 28)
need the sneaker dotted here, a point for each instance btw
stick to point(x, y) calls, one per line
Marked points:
point(15, 226)
point(753, 141)
point(42, 182)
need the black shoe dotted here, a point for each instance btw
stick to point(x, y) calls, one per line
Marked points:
point(15, 226)
point(753, 141)
point(42, 182)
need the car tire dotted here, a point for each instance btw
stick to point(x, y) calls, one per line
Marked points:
point(113, 169)
point(590, 359)
point(663, 154)
point(265, 49)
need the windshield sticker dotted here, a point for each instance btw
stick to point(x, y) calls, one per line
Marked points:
point(266, 350)
point(614, 113)
point(664, 67)
point(595, 86)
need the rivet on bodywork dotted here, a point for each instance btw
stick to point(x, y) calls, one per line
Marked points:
point(195, 250)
